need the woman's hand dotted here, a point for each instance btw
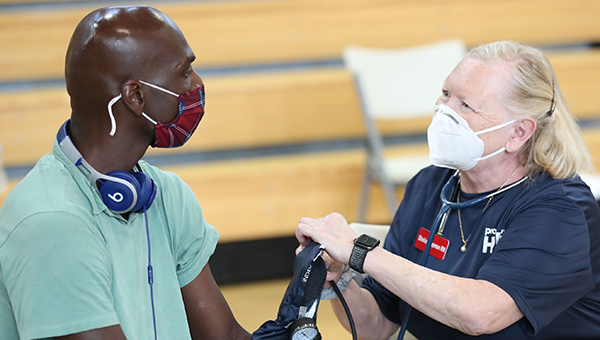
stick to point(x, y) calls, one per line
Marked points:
point(331, 231)
point(334, 268)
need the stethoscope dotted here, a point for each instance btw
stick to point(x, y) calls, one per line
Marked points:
point(448, 195)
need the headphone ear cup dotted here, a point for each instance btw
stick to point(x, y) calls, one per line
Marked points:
point(147, 193)
point(117, 196)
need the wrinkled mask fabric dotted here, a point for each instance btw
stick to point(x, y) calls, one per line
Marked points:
point(453, 144)
point(175, 133)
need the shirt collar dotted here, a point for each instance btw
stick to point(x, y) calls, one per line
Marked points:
point(86, 187)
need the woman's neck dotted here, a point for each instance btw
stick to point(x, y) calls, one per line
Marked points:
point(489, 176)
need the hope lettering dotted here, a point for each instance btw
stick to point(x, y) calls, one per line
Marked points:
point(490, 239)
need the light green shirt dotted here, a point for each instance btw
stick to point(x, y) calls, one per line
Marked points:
point(68, 264)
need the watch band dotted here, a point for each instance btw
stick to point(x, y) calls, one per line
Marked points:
point(357, 258)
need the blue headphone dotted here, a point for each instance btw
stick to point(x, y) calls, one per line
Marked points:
point(121, 191)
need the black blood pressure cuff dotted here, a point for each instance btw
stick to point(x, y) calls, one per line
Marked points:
point(301, 299)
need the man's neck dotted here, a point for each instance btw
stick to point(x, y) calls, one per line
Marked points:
point(106, 154)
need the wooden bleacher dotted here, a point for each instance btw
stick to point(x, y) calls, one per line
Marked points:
point(265, 109)
point(265, 196)
point(248, 32)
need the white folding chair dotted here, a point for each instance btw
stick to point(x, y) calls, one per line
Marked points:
point(397, 84)
point(377, 230)
point(592, 179)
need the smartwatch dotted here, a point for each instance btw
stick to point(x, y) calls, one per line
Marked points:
point(362, 245)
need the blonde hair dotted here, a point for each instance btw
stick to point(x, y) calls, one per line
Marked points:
point(556, 146)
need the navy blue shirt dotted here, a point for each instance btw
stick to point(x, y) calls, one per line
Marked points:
point(539, 242)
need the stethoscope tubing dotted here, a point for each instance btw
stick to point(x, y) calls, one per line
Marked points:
point(440, 220)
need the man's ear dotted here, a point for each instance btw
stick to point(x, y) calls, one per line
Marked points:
point(133, 97)
point(523, 130)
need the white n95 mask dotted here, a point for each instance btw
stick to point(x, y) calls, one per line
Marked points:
point(452, 143)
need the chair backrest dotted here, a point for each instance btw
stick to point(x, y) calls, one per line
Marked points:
point(593, 181)
point(377, 230)
point(402, 83)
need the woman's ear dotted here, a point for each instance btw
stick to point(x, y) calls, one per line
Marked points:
point(133, 97)
point(524, 129)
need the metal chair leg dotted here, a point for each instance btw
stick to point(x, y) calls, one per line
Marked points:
point(388, 191)
point(364, 195)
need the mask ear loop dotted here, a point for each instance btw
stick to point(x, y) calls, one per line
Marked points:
point(494, 128)
point(502, 149)
point(150, 119)
point(113, 123)
point(159, 88)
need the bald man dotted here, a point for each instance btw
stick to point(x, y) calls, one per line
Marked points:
point(94, 242)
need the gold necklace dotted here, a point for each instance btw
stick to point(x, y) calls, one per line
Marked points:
point(462, 235)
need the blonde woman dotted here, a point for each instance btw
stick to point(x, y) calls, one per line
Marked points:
point(521, 263)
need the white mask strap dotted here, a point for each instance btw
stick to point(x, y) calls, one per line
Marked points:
point(502, 149)
point(159, 88)
point(113, 123)
point(493, 128)
point(150, 119)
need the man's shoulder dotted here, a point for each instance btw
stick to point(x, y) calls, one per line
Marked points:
point(46, 190)
point(44, 184)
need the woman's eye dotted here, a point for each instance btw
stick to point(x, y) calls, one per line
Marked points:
point(465, 105)
point(445, 93)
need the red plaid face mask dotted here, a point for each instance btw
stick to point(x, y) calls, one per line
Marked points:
point(180, 129)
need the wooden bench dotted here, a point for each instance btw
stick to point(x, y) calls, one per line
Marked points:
point(261, 32)
point(264, 197)
point(31, 2)
point(264, 109)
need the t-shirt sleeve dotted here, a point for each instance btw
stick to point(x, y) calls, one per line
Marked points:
point(542, 260)
point(196, 239)
point(57, 274)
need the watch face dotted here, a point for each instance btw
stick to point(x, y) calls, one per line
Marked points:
point(307, 333)
point(367, 241)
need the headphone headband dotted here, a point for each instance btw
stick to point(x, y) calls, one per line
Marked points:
point(120, 190)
